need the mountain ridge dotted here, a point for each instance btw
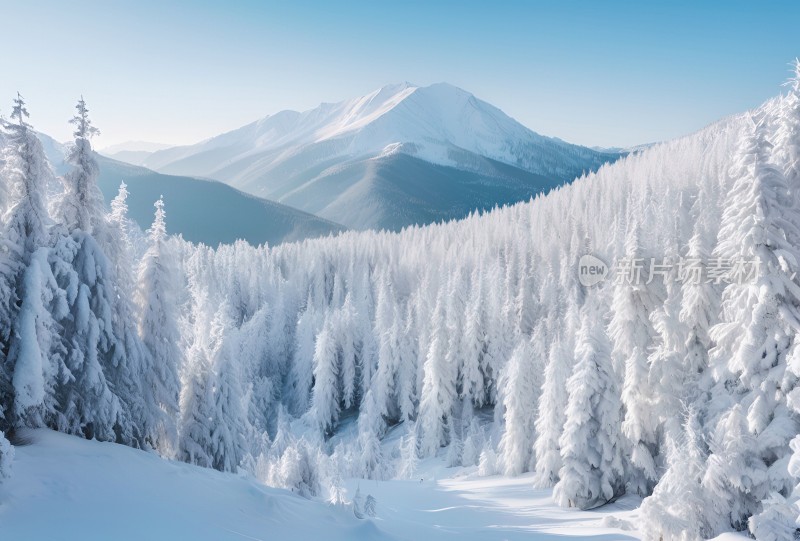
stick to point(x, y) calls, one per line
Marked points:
point(439, 125)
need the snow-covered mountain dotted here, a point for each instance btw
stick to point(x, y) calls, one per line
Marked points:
point(400, 155)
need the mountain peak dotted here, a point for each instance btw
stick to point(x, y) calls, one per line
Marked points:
point(349, 161)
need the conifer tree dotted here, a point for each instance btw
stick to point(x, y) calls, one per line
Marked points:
point(520, 386)
point(325, 398)
point(591, 445)
point(759, 317)
point(31, 357)
point(735, 476)
point(632, 333)
point(438, 390)
point(105, 397)
point(677, 508)
point(158, 326)
point(6, 457)
point(551, 415)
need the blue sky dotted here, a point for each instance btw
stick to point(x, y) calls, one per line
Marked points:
point(590, 72)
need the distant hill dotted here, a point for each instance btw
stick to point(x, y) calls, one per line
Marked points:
point(208, 211)
point(133, 152)
point(199, 210)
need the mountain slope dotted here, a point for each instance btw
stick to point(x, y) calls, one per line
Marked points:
point(208, 211)
point(340, 160)
point(200, 210)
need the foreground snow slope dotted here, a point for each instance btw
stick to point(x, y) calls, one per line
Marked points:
point(67, 488)
point(489, 509)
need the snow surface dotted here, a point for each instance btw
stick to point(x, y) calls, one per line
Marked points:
point(67, 488)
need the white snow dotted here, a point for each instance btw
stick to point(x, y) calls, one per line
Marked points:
point(66, 488)
point(91, 490)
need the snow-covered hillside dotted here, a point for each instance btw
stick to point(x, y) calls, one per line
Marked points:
point(398, 156)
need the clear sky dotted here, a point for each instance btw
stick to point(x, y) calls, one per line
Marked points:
point(591, 72)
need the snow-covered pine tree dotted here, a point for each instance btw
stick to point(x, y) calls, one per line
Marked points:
point(345, 332)
point(759, 316)
point(591, 445)
point(407, 371)
point(325, 401)
point(786, 153)
point(158, 327)
point(700, 297)
point(438, 389)
point(474, 344)
point(213, 417)
point(676, 511)
point(409, 455)
point(474, 442)
point(735, 476)
point(105, 397)
point(119, 220)
point(228, 416)
point(31, 358)
point(671, 382)
point(6, 457)
point(82, 206)
point(4, 188)
point(631, 333)
point(386, 329)
point(197, 385)
point(787, 134)
point(776, 522)
point(194, 427)
point(300, 380)
point(297, 471)
point(371, 428)
point(487, 462)
point(551, 415)
point(519, 392)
